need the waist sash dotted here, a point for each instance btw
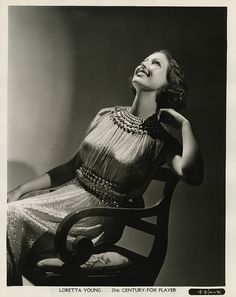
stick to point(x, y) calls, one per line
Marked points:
point(108, 192)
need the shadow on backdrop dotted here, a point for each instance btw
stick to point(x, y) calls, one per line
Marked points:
point(18, 173)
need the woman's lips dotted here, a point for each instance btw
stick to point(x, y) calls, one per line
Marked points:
point(143, 71)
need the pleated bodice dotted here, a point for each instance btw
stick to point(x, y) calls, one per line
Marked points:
point(122, 149)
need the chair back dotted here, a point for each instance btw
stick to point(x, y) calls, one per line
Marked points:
point(159, 249)
point(159, 230)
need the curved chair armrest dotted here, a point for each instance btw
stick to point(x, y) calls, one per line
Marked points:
point(131, 217)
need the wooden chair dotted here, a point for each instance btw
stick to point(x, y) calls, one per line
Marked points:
point(106, 264)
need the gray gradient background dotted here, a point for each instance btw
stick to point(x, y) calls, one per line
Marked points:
point(66, 63)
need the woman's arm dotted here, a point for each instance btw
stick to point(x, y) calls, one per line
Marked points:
point(38, 183)
point(55, 177)
point(185, 161)
point(65, 172)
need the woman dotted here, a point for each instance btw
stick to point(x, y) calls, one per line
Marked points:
point(121, 153)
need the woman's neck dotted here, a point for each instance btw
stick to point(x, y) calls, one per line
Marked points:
point(144, 104)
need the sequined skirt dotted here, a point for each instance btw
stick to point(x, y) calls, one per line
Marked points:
point(31, 218)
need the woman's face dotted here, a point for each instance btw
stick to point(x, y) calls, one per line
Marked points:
point(151, 74)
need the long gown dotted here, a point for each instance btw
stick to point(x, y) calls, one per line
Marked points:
point(117, 160)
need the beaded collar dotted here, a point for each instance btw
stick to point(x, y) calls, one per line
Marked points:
point(122, 117)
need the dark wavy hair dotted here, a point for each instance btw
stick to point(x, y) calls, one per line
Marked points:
point(174, 93)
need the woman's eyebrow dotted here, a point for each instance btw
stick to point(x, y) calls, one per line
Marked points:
point(158, 60)
point(154, 59)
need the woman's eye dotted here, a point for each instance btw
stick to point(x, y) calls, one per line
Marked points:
point(156, 63)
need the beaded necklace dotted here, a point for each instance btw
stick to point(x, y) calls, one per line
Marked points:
point(122, 117)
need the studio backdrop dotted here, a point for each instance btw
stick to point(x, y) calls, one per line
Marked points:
point(66, 63)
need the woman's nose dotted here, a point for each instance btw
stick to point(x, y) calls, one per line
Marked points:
point(144, 64)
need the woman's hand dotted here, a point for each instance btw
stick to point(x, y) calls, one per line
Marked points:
point(171, 117)
point(13, 195)
point(38, 183)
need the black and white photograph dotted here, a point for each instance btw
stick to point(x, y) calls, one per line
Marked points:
point(116, 149)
